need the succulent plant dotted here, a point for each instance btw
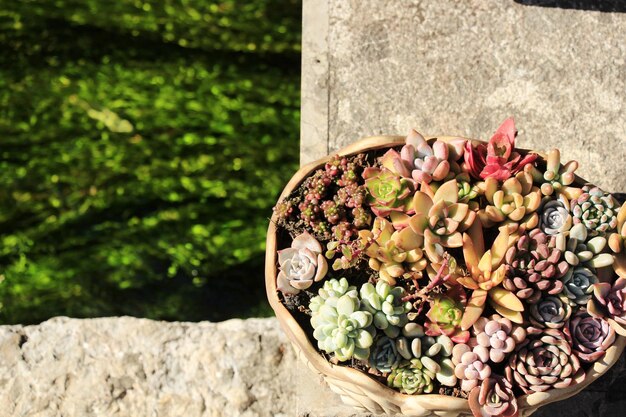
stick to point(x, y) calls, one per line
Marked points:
point(445, 315)
point(617, 243)
point(486, 272)
point(387, 191)
point(494, 397)
point(440, 219)
point(467, 190)
point(543, 361)
point(589, 336)
point(595, 209)
point(384, 356)
point(393, 254)
point(534, 265)
point(557, 178)
point(435, 353)
point(550, 311)
point(413, 378)
point(498, 335)
point(515, 202)
point(385, 304)
point(579, 251)
point(300, 265)
point(470, 365)
point(425, 163)
point(578, 285)
point(340, 328)
point(497, 159)
point(609, 301)
point(430, 163)
point(554, 216)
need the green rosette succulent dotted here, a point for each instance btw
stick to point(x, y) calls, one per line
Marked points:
point(387, 192)
point(595, 209)
point(385, 304)
point(340, 328)
point(414, 378)
point(384, 355)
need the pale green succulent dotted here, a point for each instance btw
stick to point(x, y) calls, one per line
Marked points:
point(413, 378)
point(385, 303)
point(434, 352)
point(581, 251)
point(340, 327)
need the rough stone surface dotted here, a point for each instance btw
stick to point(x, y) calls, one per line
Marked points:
point(461, 67)
point(136, 367)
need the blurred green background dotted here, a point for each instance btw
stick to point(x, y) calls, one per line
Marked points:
point(142, 146)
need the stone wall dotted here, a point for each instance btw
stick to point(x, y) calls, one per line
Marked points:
point(127, 367)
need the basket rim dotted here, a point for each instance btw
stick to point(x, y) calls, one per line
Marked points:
point(432, 402)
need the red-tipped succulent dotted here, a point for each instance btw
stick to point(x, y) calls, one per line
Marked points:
point(497, 159)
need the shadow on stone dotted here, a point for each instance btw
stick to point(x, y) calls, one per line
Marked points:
point(609, 6)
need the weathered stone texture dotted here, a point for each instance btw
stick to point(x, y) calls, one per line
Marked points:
point(462, 67)
point(136, 367)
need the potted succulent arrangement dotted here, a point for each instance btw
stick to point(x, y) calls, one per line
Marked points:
point(449, 275)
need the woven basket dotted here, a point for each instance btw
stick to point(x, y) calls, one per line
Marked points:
point(356, 388)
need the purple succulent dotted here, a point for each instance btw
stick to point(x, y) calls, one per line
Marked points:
point(589, 336)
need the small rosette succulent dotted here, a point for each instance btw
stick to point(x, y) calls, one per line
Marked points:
point(387, 191)
point(543, 361)
point(578, 285)
point(435, 353)
point(425, 163)
point(440, 219)
point(494, 397)
point(555, 217)
point(498, 158)
point(394, 254)
point(550, 311)
point(579, 250)
point(413, 378)
point(595, 209)
point(589, 336)
point(468, 191)
point(498, 335)
point(445, 315)
point(557, 178)
point(340, 328)
point(300, 265)
point(609, 301)
point(534, 265)
point(385, 304)
point(515, 201)
point(384, 356)
point(470, 365)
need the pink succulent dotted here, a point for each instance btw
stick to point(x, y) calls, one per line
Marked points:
point(494, 397)
point(300, 265)
point(470, 365)
point(498, 335)
point(498, 158)
point(589, 336)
